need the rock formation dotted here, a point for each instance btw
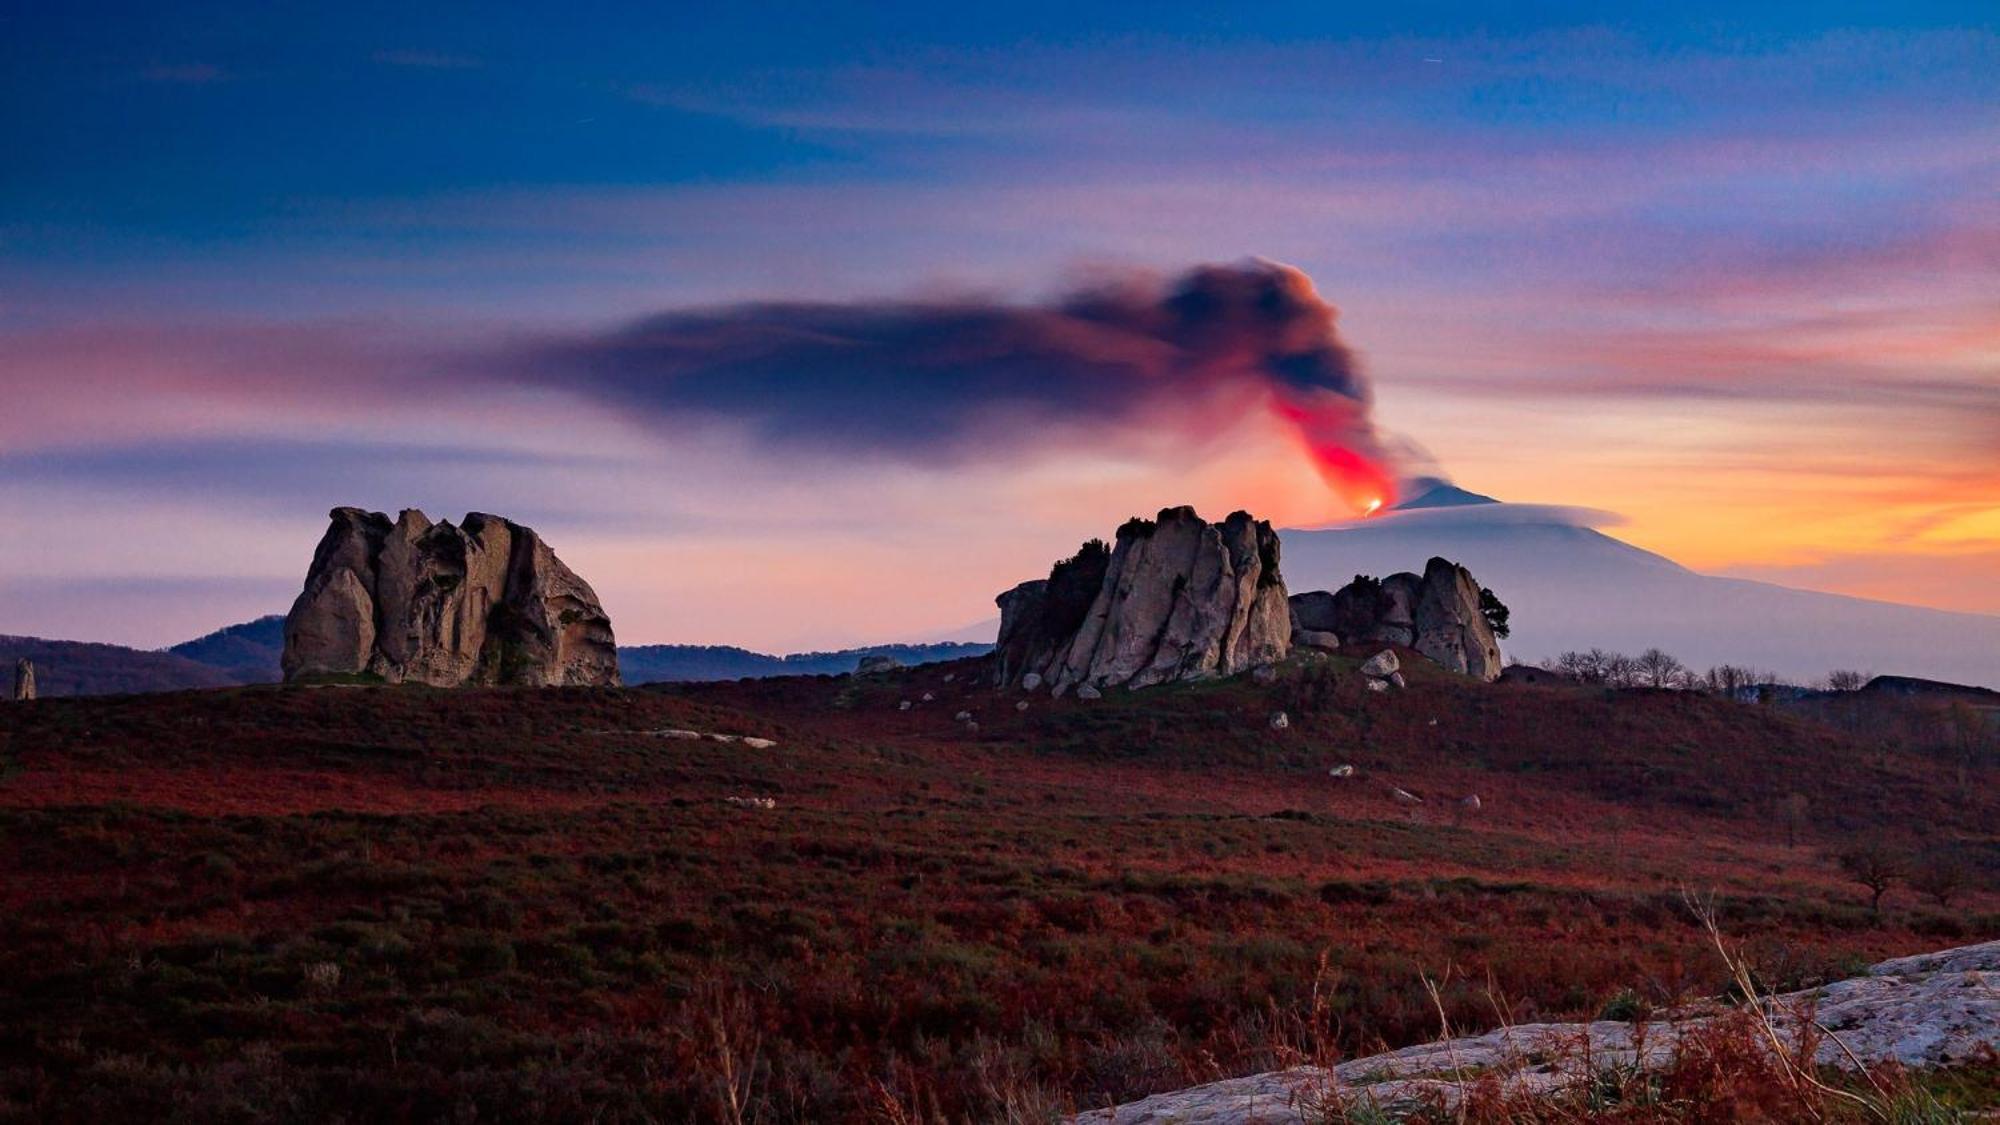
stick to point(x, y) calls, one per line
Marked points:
point(486, 602)
point(1177, 598)
point(1436, 613)
point(24, 680)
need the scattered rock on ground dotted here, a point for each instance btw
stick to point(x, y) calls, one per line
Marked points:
point(1280, 721)
point(1382, 664)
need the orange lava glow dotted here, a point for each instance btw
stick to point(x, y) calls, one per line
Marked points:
point(1330, 429)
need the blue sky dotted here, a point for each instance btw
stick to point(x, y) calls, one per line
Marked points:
point(1726, 271)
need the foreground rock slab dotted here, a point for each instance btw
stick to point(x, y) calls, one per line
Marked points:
point(1937, 1009)
point(483, 602)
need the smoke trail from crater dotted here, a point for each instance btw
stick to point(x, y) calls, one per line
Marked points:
point(951, 381)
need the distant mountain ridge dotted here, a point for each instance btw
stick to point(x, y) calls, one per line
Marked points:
point(248, 653)
point(647, 664)
point(1573, 587)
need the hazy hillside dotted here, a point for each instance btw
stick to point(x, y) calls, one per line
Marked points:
point(645, 664)
point(248, 654)
point(81, 668)
point(249, 651)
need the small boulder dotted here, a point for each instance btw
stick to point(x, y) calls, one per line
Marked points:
point(962, 717)
point(1383, 664)
point(1280, 721)
point(1378, 685)
point(1404, 796)
point(1315, 638)
point(1470, 803)
point(1031, 682)
point(905, 705)
point(759, 743)
point(1341, 771)
point(1088, 691)
point(950, 676)
point(929, 697)
point(1021, 706)
point(1396, 679)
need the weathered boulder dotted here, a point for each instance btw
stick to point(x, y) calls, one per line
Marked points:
point(24, 680)
point(1382, 665)
point(1177, 598)
point(1436, 613)
point(485, 602)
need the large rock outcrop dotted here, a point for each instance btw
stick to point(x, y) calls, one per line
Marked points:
point(24, 680)
point(485, 602)
point(1176, 598)
point(1436, 613)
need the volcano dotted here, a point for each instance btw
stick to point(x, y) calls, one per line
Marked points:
point(1571, 586)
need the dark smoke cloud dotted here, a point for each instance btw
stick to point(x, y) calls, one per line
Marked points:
point(945, 381)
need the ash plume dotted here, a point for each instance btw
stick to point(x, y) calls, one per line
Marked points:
point(942, 382)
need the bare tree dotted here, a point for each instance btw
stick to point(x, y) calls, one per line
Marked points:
point(1876, 866)
point(1657, 669)
point(1846, 679)
point(1620, 670)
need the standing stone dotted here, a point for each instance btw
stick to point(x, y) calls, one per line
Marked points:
point(24, 680)
point(485, 602)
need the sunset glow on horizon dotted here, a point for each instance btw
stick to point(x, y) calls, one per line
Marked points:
point(799, 333)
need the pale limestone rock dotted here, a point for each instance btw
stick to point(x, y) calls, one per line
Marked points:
point(1381, 665)
point(1177, 598)
point(486, 602)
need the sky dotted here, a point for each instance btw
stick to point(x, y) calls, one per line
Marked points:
point(808, 326)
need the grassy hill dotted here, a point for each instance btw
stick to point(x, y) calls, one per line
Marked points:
point(407, 903)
